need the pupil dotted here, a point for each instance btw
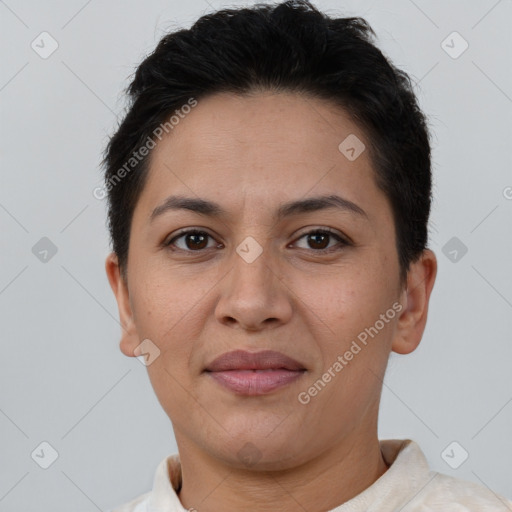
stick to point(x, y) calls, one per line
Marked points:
point(324, 236)
point(196, 238)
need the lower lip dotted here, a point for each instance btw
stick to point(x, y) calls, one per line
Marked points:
point(255, 382)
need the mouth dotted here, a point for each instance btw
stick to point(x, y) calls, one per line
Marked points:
point(248, 373)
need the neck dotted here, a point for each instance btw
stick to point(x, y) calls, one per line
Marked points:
point(322, 483)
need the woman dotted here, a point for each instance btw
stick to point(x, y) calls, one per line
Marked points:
point(269, 194)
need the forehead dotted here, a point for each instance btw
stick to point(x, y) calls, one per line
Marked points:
point(266, 146)
point(262, 125)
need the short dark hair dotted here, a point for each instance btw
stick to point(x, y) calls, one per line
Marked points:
point(289, 47)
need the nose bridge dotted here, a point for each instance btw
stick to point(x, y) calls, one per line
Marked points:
point(252, 265)
point(253, 294)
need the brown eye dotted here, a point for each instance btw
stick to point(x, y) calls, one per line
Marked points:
point(193, 240)
point(318, 240)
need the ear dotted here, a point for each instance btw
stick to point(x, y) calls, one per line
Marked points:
point(129, 336)
point(414, 299)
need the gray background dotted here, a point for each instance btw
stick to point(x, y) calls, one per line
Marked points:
point(63, 379)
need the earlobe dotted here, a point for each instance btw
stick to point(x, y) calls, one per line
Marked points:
point(415, 300)
point(129, 336)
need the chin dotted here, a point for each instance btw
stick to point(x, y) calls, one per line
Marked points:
point(260, 452)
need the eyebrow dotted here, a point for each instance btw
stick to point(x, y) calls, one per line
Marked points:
point(211, 209)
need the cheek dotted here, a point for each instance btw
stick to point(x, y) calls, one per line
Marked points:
point(170, 310)
point(347, 309)
point(345, 298)
point(163, 298)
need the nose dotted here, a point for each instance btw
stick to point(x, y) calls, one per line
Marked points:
point(254, 296)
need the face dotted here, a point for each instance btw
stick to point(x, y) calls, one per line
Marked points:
point(318, 284)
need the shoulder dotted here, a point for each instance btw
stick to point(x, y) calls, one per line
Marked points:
point(446, 493)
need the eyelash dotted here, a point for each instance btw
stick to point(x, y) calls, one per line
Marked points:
point(325, 231)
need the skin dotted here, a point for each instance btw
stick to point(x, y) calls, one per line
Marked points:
point(250, 154)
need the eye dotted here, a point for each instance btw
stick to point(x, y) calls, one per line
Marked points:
point(194, 240)
point(318, 238)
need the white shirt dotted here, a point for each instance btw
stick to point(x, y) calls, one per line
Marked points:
point(407, 486)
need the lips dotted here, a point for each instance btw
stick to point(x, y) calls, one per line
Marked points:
point(248, 373)
point(242, 360)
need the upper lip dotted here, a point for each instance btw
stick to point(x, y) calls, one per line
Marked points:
point(243, 360)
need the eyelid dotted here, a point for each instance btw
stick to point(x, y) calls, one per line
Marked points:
point(347, 240)
point(186, 231)
point(342, 241)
